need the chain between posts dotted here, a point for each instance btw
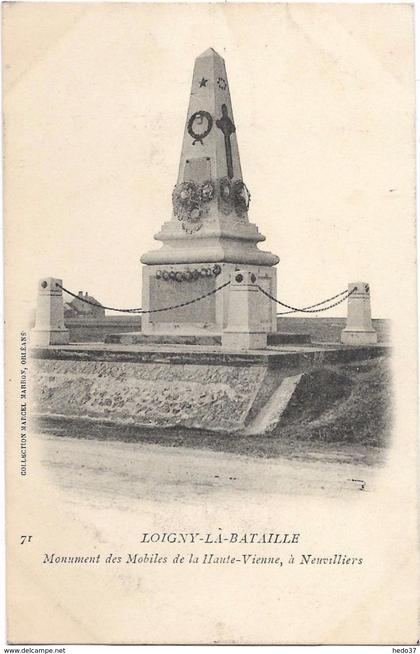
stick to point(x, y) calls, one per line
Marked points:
point(311, 308)
point(140, 310)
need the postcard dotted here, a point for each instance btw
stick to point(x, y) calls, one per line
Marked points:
point(211, 346)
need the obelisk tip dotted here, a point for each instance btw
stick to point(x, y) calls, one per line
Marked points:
point(210, 52)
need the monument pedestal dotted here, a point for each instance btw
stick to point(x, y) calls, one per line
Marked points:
point(173, 284)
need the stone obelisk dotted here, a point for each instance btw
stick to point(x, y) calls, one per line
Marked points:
point(209, 235)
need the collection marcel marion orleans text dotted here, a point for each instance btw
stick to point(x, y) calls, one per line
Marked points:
point(209, 557)
point(23, 409)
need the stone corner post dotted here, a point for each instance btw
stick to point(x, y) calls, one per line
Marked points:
point(359, 329)
point(244, 329)
point(49, 320)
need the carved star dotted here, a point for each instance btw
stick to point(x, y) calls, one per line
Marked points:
point(203, 82)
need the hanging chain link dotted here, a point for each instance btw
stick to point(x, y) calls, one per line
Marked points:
point(140, 310)
point(311, 308)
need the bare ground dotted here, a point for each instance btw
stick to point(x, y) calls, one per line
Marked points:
point(113, 469)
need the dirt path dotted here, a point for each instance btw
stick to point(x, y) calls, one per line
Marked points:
point(127, 471)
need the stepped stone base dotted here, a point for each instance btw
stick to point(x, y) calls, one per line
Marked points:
point(359, 337)
point(138, 338)
point(185, 386)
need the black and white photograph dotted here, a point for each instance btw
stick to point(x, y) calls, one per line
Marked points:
point(211, 337)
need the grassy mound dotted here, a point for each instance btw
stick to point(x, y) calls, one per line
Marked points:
point(318, 391)
point(361, 412)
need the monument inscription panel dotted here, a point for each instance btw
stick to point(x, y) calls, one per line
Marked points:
point(167, 293)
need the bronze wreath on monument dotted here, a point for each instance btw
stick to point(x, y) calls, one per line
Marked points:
point(199, 126)
point(207, 191)
point(188, 199)
point(234, 195)
point(241, 197)
point(225, 194)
